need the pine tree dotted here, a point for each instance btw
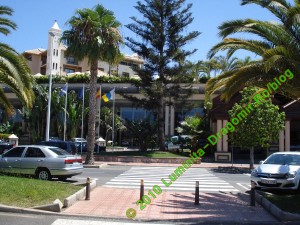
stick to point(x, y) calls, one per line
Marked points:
point(161, 44)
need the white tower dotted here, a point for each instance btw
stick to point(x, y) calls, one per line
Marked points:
point(54, 50)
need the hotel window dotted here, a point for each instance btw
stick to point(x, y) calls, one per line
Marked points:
point(68, 70)
point(71, 60)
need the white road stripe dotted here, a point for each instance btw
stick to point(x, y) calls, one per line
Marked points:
point(186, 182)
point(173, 184)
point(186, 189)
point(94, 222)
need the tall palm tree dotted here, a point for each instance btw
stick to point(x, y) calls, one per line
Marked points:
point(94, 34)
point(278, 46)
point(14, 71)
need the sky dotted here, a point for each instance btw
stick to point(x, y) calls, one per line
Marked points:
point(35, 17)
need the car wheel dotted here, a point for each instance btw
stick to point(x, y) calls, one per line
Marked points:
point(43, 174)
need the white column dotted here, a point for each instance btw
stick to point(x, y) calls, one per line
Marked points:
point(172, 120)
point(287, 136)
point(225, 138)
point(281, 141)
point(167, 112)
point(219, 144)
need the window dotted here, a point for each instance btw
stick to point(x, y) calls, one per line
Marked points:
point(15, 152)
point(54, 52)
point(101, 69)
point(56, 66)
point(71, 60)
point(53, 66)
point(58, 151)
point(125, 74)
point(34, 153)
point(68, 70)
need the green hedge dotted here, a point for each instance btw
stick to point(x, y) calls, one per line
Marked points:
point(85, 78)
point(4, 136)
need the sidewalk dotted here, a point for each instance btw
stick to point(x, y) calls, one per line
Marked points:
point(175, 206)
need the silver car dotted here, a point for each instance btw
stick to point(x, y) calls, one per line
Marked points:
point(44, 162)
point(280, 170)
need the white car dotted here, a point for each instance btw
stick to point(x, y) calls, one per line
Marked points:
point(171, 146)
point(280, 170)
point(44, 162)
point(78, 140)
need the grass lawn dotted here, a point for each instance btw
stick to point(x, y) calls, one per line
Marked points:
point(150, 154)
point(288, 203)
point(28, 192)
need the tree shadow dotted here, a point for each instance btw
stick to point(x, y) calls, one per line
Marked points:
point(226, 207)
point(231, 170)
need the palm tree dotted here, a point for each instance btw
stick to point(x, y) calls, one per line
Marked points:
point(14, 71)
point(93, 34)
point(278, 47)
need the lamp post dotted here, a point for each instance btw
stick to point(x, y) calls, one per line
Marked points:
point(50, 88)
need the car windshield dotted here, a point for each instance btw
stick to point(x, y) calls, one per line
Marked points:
point(59, 151)
point(283, 159)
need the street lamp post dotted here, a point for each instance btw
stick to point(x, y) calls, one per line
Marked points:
point(50, 89)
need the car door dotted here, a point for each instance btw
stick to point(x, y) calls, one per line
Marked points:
point(10, 161)
point(33, 158)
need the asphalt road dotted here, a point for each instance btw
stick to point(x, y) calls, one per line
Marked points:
point(29, 219)
point(240, 181)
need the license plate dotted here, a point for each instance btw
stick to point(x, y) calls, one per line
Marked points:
point(268, 181)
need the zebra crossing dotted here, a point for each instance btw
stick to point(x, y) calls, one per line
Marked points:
point(208, 182)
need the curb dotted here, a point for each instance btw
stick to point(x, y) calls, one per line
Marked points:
point(274, 210)
point(78, 195)
point(51, 209)
point(95, 166)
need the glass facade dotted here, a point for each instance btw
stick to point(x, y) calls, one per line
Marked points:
point(135, 114)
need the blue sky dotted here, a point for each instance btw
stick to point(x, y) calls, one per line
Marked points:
point(35, 17)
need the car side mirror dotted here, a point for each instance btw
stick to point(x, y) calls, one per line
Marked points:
point(261, 162)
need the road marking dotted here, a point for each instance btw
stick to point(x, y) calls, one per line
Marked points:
point(94, 222)
point(186, 182)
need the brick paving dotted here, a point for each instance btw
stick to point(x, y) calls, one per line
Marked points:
point(113, 203)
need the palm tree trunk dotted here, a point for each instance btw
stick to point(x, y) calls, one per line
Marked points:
point(252, 158)
point(92, 114)
point(161, 127)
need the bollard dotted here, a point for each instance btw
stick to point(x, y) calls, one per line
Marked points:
point(142, 190)
point(252, 194)
point(88, 188)
point(197, 193)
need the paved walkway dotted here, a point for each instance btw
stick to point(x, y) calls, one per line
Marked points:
point(176, 206)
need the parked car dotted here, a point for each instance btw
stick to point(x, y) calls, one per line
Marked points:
point(65, 145)
point(54, 139)
point(171, 146)
point(78, 140)
point(281, 170)
point(44, 162)
point(5, 146)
